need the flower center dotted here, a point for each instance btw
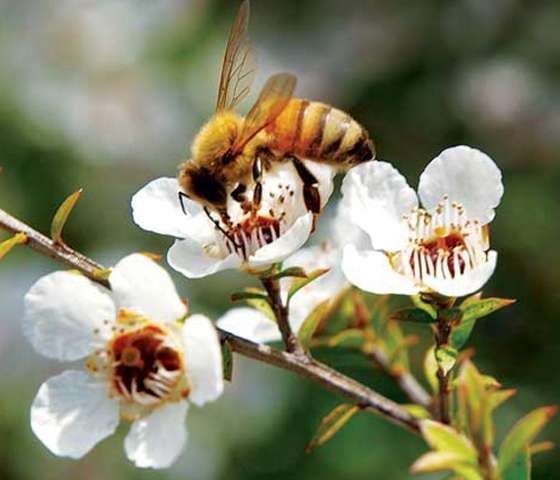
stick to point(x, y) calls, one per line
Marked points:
point(443, 244)
point(255, 232)
point(146, 369)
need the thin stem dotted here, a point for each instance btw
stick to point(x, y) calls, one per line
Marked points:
point(281, 310)
point(408, 383)
point(442, 333)
point(301, 365)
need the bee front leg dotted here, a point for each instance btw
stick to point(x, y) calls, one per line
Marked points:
point(311, 195)
point(257, 176)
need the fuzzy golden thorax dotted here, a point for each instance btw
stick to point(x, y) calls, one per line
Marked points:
point(215, 139)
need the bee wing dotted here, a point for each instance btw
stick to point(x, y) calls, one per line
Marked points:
point(238, 68)
point(274, 97)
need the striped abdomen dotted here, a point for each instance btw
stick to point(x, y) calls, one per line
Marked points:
point(320, 132)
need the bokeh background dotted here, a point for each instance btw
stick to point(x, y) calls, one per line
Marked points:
point(108, 94)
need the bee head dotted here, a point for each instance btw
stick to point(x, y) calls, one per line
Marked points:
point(202, 187)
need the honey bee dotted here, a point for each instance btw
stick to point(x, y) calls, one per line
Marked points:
point(231, 153)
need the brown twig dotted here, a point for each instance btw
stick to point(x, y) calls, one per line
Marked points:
point(272, 287)
point(442, 334)
point(301, 365)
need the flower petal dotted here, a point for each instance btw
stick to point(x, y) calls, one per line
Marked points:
point(284, 246)
point(372, 272)
point(468, 176)
point(376, 196)
point(72, 412)
point(156, 208)
point(250, 324)
point(203, 359)
point(191, 259)
point(467, 283)
point(67, 316)
point(156, 440)
point(140, 284)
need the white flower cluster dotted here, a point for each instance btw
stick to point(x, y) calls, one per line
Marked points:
point(146, 359)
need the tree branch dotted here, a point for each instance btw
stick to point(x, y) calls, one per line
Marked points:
point(301, 365)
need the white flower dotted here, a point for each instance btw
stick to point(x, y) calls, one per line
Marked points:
point(442, 247)
point(254, 325)
point(279, 228)
point(143, 365)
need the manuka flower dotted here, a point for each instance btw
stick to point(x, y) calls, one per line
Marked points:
point(143, 364)
point(254, 240)
point(254, 325)
point(442, 247)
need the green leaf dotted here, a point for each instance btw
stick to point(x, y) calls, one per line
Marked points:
point(62, 214)
point(288, 272)
point(331, 424)
point(351, 337)
point(412, 314)
point(446, 356)
point(522, 434)
point(417, 300)
point(520, 468)
point(417, 410)
point(298, 284)
point(445, 439)
point(227, 361)
point(249, 294)
point(310, 324)
point(7, 245)
point(430, 368)
point(437, 462)
point(461, 333)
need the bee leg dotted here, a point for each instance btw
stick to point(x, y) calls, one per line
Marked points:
point(257, 176)
point(311, 195)
point(220, 228)
point(238, 193)
point(182, 197)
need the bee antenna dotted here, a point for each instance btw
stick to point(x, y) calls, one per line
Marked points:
point(220, 228)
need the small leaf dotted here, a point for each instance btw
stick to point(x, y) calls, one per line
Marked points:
point(302, 282)
point(288, 272)
point(417, 300)
point(445, 439)
point(523, 433)
point(436, 462)
point(7, 245)
point(331, 424)
point(102, 273)
point(412, 314)
point(520, 469)
point(249, 294)
point(227, 361)
point(62, 214)
point(446, 356)
point(310, 324)
point(430, 368)
point(484, 307)
point(352, 337)
point(541, 447)
point(417, 410)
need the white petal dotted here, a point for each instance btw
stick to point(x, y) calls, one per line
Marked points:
point(140, 284)
point(67, 316)
point(372, 272)
point(155, 441)
point(156, 208)
point(189, 258)
point(72, 412)
point(467, 283)
point(250, 324)
point(203, 359)
point(376, 196)
point(288, 243)
point(324, 174)
point(468, 176)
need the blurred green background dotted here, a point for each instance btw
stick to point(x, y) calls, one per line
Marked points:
point(107, 95)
